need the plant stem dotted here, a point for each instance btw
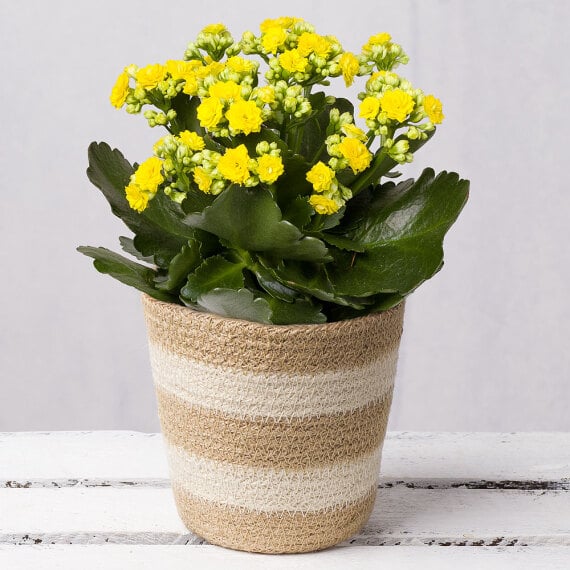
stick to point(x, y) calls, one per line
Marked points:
point(318, 153)
point(382, 164)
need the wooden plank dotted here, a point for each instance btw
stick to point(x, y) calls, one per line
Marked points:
point(113, 557)
point(479, 458)
point(81, 458)
point(442, 460)
point(402, 516)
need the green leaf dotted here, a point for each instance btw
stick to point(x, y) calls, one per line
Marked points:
point(310, 279)
point(110, 172)
point(315, 130)
point(377, 304)
point(385, 301)
point(236, 305)
point(343, 105)
point(253, 139)
point(317, 101)
point(161, 247)
point(274, 287)
point(186, 114)
point(125, 271)
point(329, 222)
point(128, 246)
point(215, 272)
point(158, 233)
point(300, 311)
point(299, 212)
point(181, 265)
point(293, 182)
point(342, 242)
point(196, 201)
point(169, 216)
point(401, 229)
point(249, 219)
point(382, 164)
point(393, 174)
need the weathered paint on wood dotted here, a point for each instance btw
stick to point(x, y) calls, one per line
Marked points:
point(493, 500)
point(141, 515)
point(473, 460)
point(126, 557)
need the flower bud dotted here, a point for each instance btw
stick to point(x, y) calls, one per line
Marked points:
point(305, 108)
point(345, 118)
point(334, 116)
point(401, 147)
point(262, 148)
point(290, 104)
point(413, 133)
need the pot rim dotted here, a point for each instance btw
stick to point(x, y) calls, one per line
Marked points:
point(328, 326)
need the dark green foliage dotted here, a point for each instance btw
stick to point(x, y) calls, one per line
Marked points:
point(260, 254)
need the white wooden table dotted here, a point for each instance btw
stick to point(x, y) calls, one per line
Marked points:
point(101, 500)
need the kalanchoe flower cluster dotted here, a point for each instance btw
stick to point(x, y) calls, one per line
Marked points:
point(188, 163)
point(222, 80)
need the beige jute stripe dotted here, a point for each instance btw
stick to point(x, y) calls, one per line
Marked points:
point(242, 393)
point(272, 533)
point(290, 443)
point(275, 489)
point(262, 348)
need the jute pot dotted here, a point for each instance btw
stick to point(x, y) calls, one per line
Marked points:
point(274, 433)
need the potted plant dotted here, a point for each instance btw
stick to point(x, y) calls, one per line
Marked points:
point(275, 247)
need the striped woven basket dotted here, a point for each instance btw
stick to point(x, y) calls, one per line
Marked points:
point(274, 433)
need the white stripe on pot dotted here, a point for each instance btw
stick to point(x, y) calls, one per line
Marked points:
point(273, 490)
point(277, 395)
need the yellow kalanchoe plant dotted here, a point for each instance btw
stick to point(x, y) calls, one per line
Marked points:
point(265, 200)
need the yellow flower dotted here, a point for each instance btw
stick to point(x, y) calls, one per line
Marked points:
point(273, 39)
point(192, 140)
point(356, 153)
point(158, 144)
point(292, 61)
point(190, 85)
point(349, 66)
point(203, 179)
point(214, 29)
point(321, 177)
point(324, 205)
point(214, 68)
point(266, 94)
point(120, 90)
point(137, 198)
point(234, 164)
point(369, 108)
point(353, 131)
point(313, 43)
point(433, 109)
point(397, 104)
point(269, 168)
point(151, 75)
point(148, 176)
point(239, 64)
point(228, 90)
point(210, 112)
point(181, 69)
point(377, 40)
point(282, 22)
point(244, 116)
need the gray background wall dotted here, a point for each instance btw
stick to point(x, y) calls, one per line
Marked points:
point(486, 341)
